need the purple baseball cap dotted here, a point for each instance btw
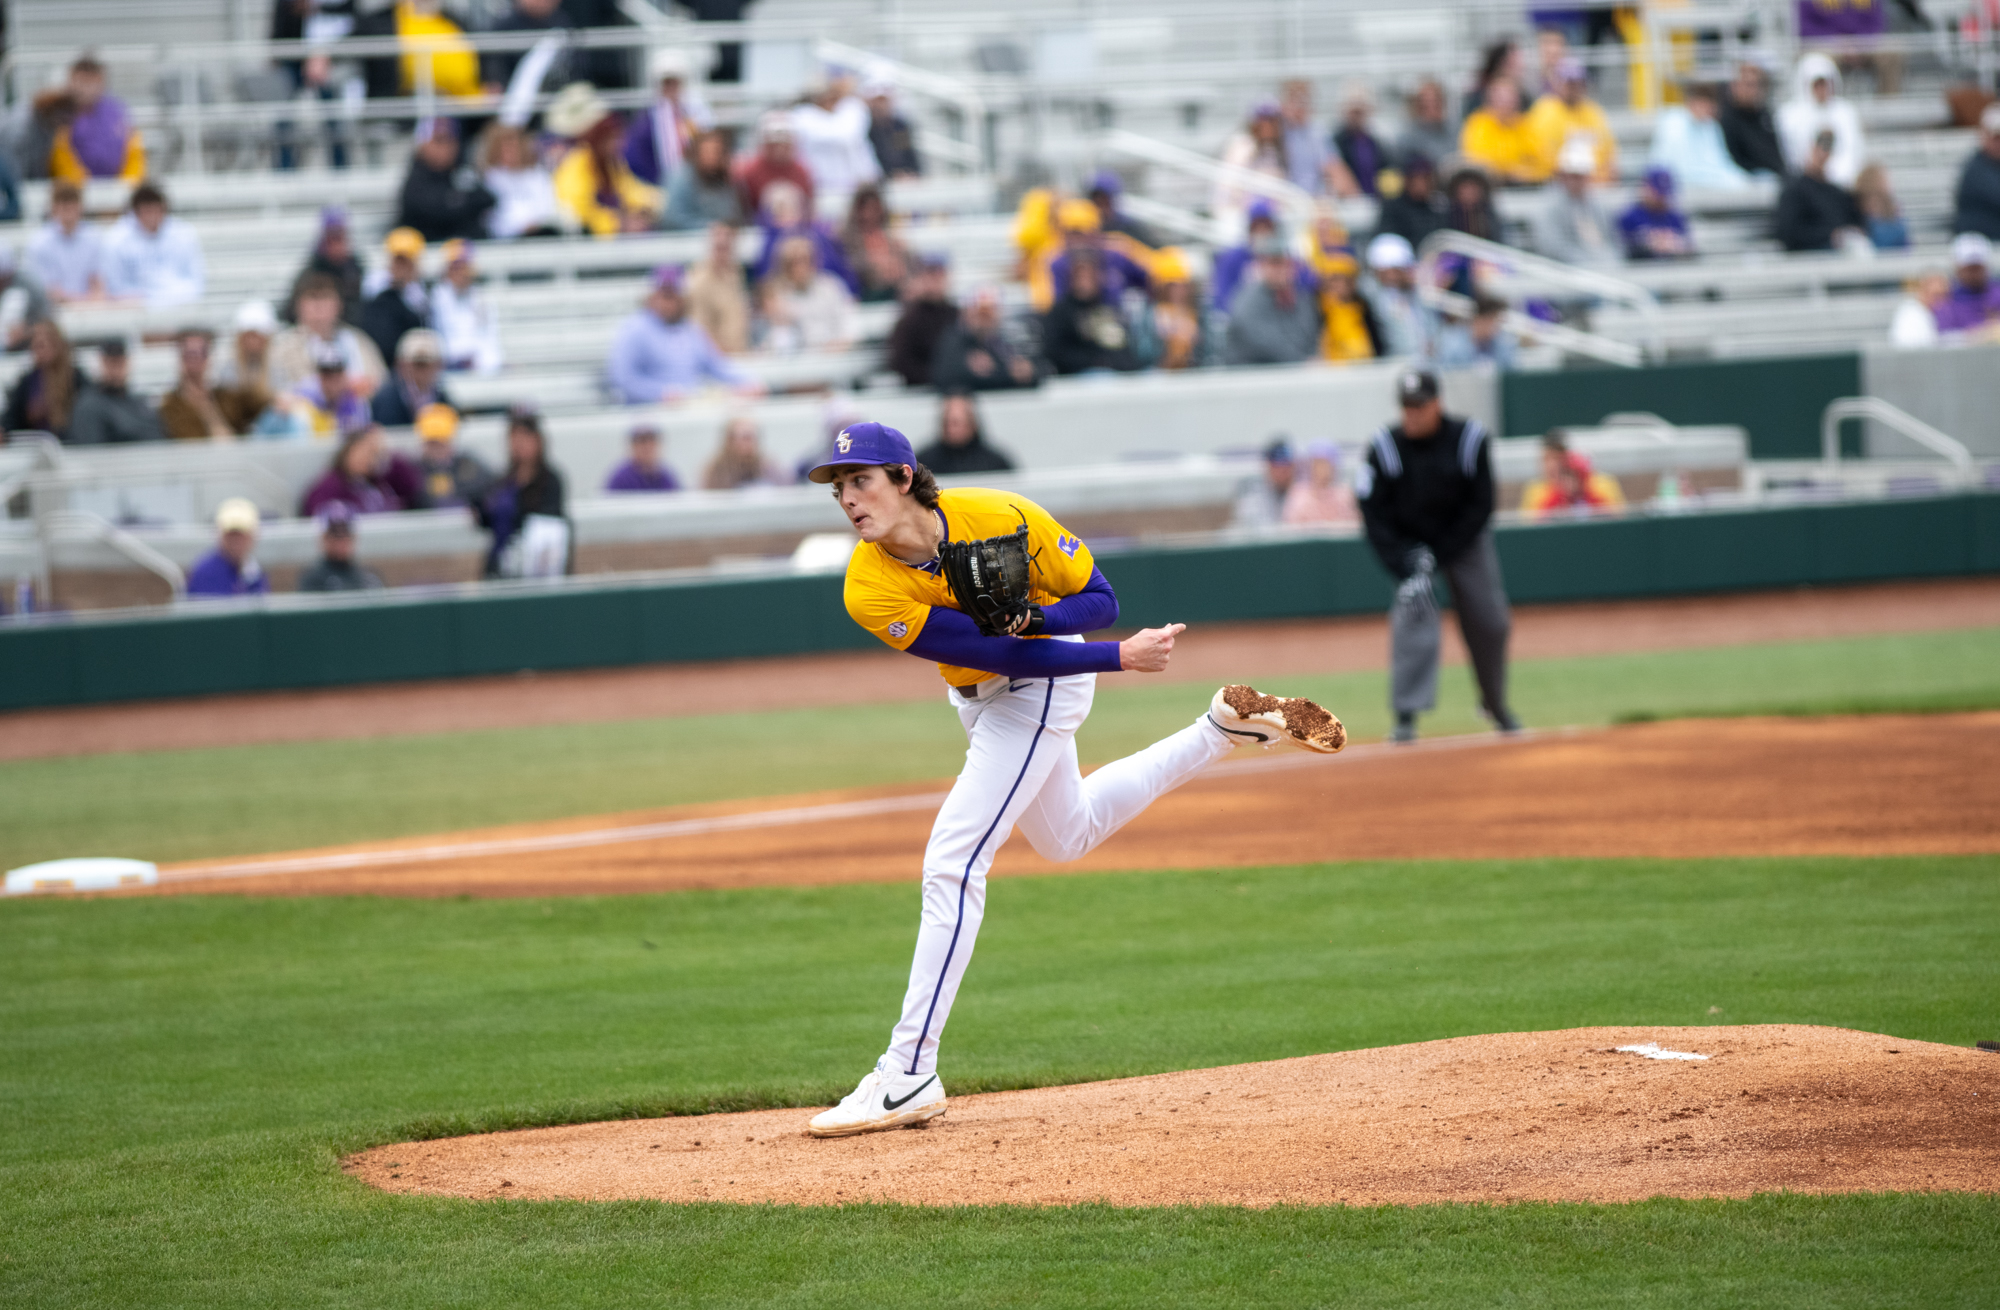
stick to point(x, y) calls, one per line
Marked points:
point(1660, 179)
point(863, 443)
point(667, 277)
point(1261, 208)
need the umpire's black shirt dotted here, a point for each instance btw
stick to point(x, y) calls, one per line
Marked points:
point(1435, 492)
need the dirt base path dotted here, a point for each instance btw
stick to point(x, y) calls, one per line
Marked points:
point(1217, 653)
point(1877, 785)
point(1561, 1116)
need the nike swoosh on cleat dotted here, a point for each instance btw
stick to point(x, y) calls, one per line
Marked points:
point(888, 1104)
point(1238, 732)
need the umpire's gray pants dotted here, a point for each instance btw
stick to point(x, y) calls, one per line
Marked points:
point(1480, 597)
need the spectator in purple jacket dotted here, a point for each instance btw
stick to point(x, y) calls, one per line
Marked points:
point(231, 569)
point(366, 477)
point(1652, 227)
point(1974, 299)
point(644, 471)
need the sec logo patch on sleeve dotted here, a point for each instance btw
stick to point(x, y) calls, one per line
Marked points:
point(899, 629)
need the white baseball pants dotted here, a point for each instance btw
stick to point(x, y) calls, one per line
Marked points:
point(1021, 769)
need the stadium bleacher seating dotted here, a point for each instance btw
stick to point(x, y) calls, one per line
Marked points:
point(1176, 71)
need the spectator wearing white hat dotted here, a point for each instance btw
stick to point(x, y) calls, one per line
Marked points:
point(831, 130)
point(231, 569)
point(659, 139)
point(776, 160)
point(1973, 302)
point(890, 135)
point(463, 316)
point(1976, 203)
point(1406, 324)
point(1573, 224)
point(417, 382)
point(594, 185)
point(243, 387)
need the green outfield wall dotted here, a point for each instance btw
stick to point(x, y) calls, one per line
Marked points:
point(1777, 401)
point(190, 653)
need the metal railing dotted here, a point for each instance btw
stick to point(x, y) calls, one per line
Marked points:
point(75, 523)
point(1575, 342)
point(1296, 204)
point(1875, 409)
point(1526, 274)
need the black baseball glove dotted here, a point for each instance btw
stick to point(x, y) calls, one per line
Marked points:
point(989, 579)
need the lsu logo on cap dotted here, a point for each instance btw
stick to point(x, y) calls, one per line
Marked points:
point(844, 443)
point(1068, 545)
point(899, 629)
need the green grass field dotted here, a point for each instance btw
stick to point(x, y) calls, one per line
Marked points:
point(175, 805)
point(180, 1076)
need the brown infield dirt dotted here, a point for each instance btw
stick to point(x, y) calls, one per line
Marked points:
point(1694, 788)
point(1554, 1116)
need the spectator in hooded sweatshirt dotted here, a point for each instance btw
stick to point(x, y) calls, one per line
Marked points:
point(660, 355)
point(1977, 200)
point(831, 132)
point(1817, 107)
point(403, 303)
point(658, 140)
point(1688, 142)
point(231, 568)
point(366, 477)
point(1973, 303)
point(1652, 227)
point(928, 314)
point(66, 254)
point(975, 355)
point(152, 256)
point(643, 470)
point(336, 569)
point(1272, 320)
point(1814, 212)
point(100, 140)
point(333, 255)
point(1403, 322)
point(961, 445)
point(1748, 129)
point(438, 199)
point(1573, 224)
point(107, 413)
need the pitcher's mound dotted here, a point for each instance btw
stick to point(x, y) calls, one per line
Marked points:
point(1508, 1117)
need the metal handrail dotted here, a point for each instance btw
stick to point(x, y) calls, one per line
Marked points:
point(102, 529)
point(1589, 344)
point(1296, 202)
point(1538, 269)
point(1881, 411)
point(48, 457)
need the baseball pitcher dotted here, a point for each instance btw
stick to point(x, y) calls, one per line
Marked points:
point(992, 589)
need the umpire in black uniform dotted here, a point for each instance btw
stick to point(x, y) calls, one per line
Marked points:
point(1426, 495)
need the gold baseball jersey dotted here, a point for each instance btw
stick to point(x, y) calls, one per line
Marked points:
point(893, 599)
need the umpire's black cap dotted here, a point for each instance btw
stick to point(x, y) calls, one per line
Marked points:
point(1416, 386)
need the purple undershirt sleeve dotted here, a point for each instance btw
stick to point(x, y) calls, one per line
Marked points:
point(950, 637)
point(1093, 609)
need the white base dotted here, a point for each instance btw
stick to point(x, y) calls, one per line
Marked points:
point(88, 874)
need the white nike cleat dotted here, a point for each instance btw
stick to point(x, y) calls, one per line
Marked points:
point(1248, 717)
point(882, 1100)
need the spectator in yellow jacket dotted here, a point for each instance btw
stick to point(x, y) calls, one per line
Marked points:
point(1348, 331)
point(593, 183)
point(1498, 137)
point(425, 35)
point(1566, 112)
